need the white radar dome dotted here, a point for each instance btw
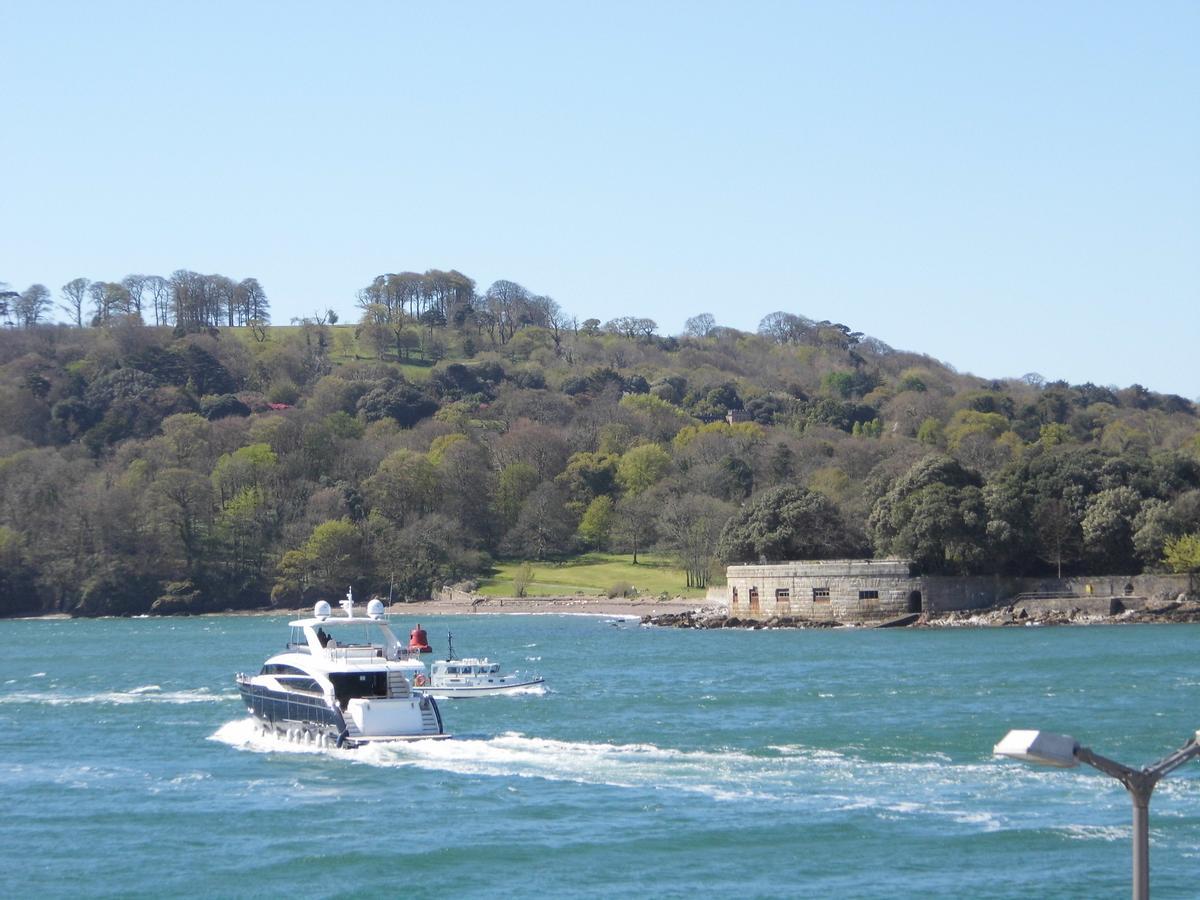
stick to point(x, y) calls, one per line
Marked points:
point(375, 609)
point(322, 610)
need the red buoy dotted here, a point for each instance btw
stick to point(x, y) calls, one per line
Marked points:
point(418, 640)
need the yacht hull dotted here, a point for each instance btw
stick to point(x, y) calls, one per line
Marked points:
point(311, 718)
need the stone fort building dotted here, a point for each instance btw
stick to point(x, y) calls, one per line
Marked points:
point(863, 590)
point(836, 589)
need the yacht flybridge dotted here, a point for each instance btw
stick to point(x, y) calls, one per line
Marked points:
point(343, 680)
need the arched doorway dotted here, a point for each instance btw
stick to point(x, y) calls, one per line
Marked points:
point(914, 601)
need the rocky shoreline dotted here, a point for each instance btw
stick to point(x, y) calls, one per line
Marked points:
point(1173, 612)
point(681, 612)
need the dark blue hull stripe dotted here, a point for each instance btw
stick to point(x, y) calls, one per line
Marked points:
point(284, 707)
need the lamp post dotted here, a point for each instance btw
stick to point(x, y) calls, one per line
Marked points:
point(1063, 751)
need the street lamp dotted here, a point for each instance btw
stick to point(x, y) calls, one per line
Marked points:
point(1063, 751)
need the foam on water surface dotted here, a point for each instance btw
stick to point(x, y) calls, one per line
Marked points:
point(146, 694)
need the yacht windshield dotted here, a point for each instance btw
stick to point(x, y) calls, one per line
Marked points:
point(355, 634)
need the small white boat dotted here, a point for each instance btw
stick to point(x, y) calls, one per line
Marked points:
point(342, 680)
point(457, 679)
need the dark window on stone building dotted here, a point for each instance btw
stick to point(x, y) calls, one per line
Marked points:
point(868, 595)
point(782, 595)
point(820, 595)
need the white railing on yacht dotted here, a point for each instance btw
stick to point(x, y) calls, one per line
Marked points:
point(360, 652)
point(354, 654)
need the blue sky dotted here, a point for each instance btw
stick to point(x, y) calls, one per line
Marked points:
point(1008, 187)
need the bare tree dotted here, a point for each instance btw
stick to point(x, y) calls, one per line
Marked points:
point(224, 296)
point(32, 304)
point(690, 526)
point(251, 302)
point(74, 292)
point(160, 296)
point(785, 327)
point(632, 327)
point(134, 285)
point(546, 313)
point(98, 291)
point(507, 301)
point(110, 301)
point(200, 301)
point(635, 519)
point(1058, 532)
point(701, 325)
point(7, 300)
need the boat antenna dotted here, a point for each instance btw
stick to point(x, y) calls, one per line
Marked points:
point(348, 603)
point(449, 646)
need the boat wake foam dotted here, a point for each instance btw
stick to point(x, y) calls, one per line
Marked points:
point(930, 788)
point(823, 780)
point(248, 734)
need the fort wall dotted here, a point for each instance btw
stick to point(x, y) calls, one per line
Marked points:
point(861, 590)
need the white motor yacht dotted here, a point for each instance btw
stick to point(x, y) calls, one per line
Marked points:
point(457, 679)
point(344, 680)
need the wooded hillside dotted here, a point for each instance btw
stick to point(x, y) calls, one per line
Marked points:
point(185, 467)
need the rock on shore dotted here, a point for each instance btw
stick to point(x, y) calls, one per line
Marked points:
point(1175, 611)
point(701, 619)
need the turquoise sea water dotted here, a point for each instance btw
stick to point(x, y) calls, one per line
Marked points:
point(849, 763)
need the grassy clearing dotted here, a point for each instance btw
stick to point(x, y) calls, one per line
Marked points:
point(593, 573)
point(344, 347)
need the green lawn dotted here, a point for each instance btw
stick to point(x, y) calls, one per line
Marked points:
point(593, 573)
point(345, 347)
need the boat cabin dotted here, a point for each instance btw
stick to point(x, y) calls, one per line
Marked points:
point(464, 668)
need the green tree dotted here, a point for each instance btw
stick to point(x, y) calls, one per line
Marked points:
point(788, 522)
point(597, 522)
point(657, 419)
point(642, 468)
point(185, 501)
point(968, 423)
point(930, 432)
point(1155, 524)
point(588, 475)
point(330, 559)
point(517, 480)
point(935, 515)
point(1108, 529)
point(404, 486)
point(245, 525)
point(18, 591)
point(1182, 554)
point(246, 467)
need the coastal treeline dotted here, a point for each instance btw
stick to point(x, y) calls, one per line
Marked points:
point(196, 465)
